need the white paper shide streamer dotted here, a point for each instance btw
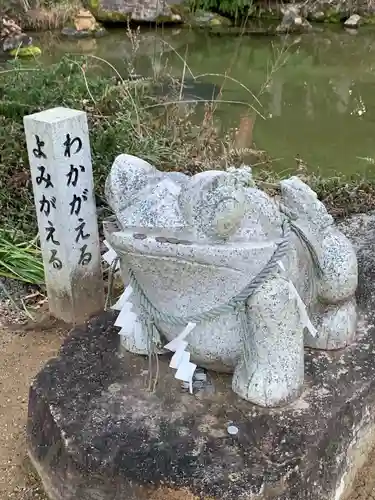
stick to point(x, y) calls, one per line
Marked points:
point(293, 294)
point(110, 255)
point(181, 358)
point(127, 320)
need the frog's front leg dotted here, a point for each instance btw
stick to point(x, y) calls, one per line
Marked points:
point(271, 370)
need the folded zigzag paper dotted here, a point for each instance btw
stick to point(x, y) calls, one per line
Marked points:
point(110, 256)
point(181, 359)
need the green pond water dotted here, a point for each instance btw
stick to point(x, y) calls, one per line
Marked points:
point(317, 91)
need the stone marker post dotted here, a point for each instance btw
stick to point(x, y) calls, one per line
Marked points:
point(60, 161)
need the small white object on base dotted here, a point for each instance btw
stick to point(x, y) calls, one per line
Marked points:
point(232, 430)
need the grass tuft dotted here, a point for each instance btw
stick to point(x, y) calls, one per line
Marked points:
point(44, 15)
point(19, 259)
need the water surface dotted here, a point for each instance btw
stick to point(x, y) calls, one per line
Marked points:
point(317, 92)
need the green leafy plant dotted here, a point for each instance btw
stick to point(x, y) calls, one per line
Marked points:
point(20, 259)
point(233, 8)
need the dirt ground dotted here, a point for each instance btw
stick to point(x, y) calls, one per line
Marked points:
point(364, 486)
point(23, 351)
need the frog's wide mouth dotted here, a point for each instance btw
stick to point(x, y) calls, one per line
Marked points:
point(136, 235)
point(154, 256)
point(159, 234)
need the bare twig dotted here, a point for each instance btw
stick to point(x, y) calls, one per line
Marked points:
point(225, 76)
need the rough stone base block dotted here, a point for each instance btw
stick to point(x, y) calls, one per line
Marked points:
point(95, 432)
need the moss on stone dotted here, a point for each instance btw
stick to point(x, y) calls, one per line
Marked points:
point(202, 19)
point(216, 21)
point(168, 19)
point(267, 13)
point(93, 5)
point(333, 19)
point(333, 16)
point(109, 16)
point(31, 51)
point(368, 19)
point(105, 15)
point(181, 9)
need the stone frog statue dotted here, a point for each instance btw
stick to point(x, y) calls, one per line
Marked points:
point(261, 277)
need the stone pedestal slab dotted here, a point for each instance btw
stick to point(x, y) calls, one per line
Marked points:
point(95, 431)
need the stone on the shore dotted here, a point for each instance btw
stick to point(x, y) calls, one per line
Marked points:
point(79, 34)
point(293, 20)
point(30, 51)
point(12, 36)
point(317, 16)
point(353, 22)
point(204, 19)
point(14, 41)
point(136, 10)
point(329, 11)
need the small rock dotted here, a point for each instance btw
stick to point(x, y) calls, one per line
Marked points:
point(200, 375)
point(198, 385)
point(353, 22)
point(200, 381)
point(12, 38)
point(292, 21)
point(317, 16)
point(30, 51)
point(208, 19)
point(123, 11)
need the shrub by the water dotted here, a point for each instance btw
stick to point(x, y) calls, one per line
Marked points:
point(233, 8)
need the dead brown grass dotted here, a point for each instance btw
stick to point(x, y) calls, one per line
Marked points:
point(50, 17)
point(22, 354)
